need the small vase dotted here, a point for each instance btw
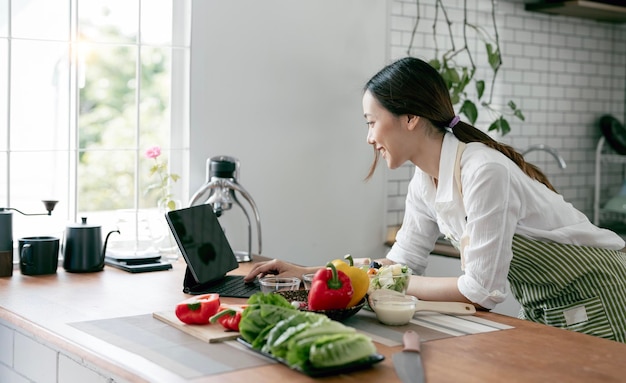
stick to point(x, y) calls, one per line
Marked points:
point(166, 244)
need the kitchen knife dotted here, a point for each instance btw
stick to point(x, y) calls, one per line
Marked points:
point(457, 308)
point(408, 362)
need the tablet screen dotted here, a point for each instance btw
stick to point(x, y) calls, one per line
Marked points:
point(202, 242)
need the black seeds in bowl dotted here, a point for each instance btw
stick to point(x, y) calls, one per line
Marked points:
point(338, 315)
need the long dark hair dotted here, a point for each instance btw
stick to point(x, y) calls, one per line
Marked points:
point(411, 86)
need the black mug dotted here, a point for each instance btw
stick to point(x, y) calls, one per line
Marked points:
point(39, 255)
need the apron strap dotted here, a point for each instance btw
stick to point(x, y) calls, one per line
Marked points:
point(457, 178)
point(457, 167)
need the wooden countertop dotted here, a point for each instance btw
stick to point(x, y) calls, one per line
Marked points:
point(44, 305)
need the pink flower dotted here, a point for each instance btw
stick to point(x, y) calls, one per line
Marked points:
point(162, 185)
point(153, 152)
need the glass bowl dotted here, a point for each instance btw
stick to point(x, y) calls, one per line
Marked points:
point(272, 284)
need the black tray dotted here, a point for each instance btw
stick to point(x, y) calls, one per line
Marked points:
point(157, 265)
point(319, 372)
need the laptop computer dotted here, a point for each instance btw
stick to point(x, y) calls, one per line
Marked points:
point(208, 254)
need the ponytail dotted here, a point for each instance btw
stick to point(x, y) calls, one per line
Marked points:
point(467, 133)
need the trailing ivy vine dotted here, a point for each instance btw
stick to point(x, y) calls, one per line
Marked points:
point(458, 77)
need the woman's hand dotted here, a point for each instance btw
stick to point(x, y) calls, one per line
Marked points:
point(280, 268)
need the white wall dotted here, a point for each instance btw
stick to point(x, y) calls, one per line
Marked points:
point(277, 84)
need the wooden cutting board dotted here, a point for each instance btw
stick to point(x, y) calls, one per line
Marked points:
point(210, 333)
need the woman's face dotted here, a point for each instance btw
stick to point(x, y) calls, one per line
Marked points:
point(389, 134)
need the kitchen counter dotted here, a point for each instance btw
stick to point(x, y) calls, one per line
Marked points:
point(41, 307)
point(444, 248)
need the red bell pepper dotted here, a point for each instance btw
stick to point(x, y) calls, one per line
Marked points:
point(331, 289)
point(229, 317)
point(198, 309)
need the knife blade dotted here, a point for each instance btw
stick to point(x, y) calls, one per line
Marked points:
point(408, 362)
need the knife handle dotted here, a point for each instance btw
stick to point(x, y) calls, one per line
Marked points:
point(458, 308)
point(411, 341)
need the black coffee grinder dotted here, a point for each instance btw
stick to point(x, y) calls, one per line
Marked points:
point(221, 190)
point(6, 235)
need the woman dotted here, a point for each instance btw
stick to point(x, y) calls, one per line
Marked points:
point(501, 212)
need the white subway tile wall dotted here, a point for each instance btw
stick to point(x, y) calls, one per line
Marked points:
point(564, 73)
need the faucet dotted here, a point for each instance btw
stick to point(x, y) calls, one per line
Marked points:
point(549, 150)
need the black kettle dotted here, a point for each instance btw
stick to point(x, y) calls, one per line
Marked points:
point(83, 251)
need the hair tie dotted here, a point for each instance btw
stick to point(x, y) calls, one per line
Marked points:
point(454, 121)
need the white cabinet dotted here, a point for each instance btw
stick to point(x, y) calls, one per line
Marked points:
point(603, 216)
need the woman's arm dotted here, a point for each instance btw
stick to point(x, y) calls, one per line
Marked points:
point(442, 289)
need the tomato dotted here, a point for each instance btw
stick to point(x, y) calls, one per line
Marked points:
point(198, 309)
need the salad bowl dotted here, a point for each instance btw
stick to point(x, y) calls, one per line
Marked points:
point(390, 277)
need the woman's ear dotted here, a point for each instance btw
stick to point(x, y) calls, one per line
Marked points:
point(412, 121)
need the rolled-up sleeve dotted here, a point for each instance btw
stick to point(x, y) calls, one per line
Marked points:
point(493, 208)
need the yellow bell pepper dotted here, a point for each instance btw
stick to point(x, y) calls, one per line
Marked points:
point(358, 277)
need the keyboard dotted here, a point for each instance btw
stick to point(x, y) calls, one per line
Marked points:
point(230, 286)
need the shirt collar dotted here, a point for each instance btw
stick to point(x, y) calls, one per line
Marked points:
point(445, 181)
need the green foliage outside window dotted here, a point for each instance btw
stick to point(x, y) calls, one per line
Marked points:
point(110, 142)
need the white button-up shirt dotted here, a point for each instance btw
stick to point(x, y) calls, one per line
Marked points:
point(498, 200)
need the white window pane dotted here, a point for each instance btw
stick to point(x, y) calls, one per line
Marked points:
point(40, 225)
point(39, 95)
point(4, 18)
point(40, 19)
point(108, 20)
point(155, 96)
point(106, 180)
point(4, 181)
point(37, 176)
point(107, 116)
point(4, 89)
point(156, 22)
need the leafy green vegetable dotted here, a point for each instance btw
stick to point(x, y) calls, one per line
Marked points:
point(339, 349)
point(286, 327)
point(280, 347)
point(298, 346)
point(263, 311)
point(301, 339)
point(283, 344)
point(269, 299)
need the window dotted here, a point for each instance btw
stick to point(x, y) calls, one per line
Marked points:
point(85, 87)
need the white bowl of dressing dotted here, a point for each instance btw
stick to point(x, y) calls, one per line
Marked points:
point(393, 309)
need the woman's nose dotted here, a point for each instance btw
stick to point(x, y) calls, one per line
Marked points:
point(369, 137)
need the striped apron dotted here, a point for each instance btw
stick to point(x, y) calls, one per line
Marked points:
point(573, 287)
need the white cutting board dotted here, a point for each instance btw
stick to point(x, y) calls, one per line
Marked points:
point(210, 333)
